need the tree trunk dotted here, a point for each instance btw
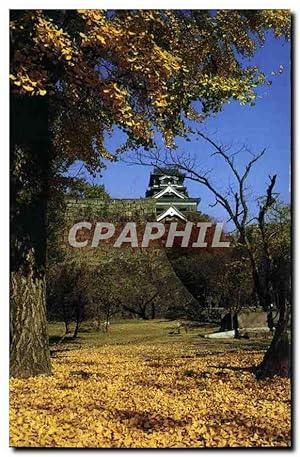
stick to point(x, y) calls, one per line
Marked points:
point(262, 289)
point(107, 321)
point(30, 147)
point(98, 323)
point(142, 313)
point(277, 358)
point(29, 354)
point(76, 330)
point(153, 311)
point(67, 328)
point(79, 313)
point(66, 317)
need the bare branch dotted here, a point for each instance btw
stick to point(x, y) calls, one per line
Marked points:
point(270, 200)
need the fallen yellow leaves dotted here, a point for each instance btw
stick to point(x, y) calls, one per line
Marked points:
point(149, 395)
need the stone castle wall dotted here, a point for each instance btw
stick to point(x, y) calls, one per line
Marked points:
point(114, 210)
point(138, 210)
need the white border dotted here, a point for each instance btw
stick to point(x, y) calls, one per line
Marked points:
point(154, 4)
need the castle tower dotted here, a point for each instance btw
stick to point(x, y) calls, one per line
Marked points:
point(166, 186)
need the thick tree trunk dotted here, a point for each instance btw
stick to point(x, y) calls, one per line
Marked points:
point(277, 358)
point(29, 354)
point(30, 146)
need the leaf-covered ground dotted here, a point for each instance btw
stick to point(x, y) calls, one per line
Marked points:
point(141, 387)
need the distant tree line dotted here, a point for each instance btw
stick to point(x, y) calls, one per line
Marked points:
point(224, 279)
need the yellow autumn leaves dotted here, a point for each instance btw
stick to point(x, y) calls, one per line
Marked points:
point(155, 393)
point(27, 84)
point(48, 41)
point(141, 70)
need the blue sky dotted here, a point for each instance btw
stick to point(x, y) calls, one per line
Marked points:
point(265, 125)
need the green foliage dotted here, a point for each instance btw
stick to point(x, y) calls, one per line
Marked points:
point(278, 235)
point(69, 293)
point(80, 188)
point(225, 278)
point(125, 283)
point(215, 279)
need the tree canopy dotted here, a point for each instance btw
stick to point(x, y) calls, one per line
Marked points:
point(140, 70)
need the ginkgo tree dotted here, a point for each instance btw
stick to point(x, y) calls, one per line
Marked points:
point(76, 75)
